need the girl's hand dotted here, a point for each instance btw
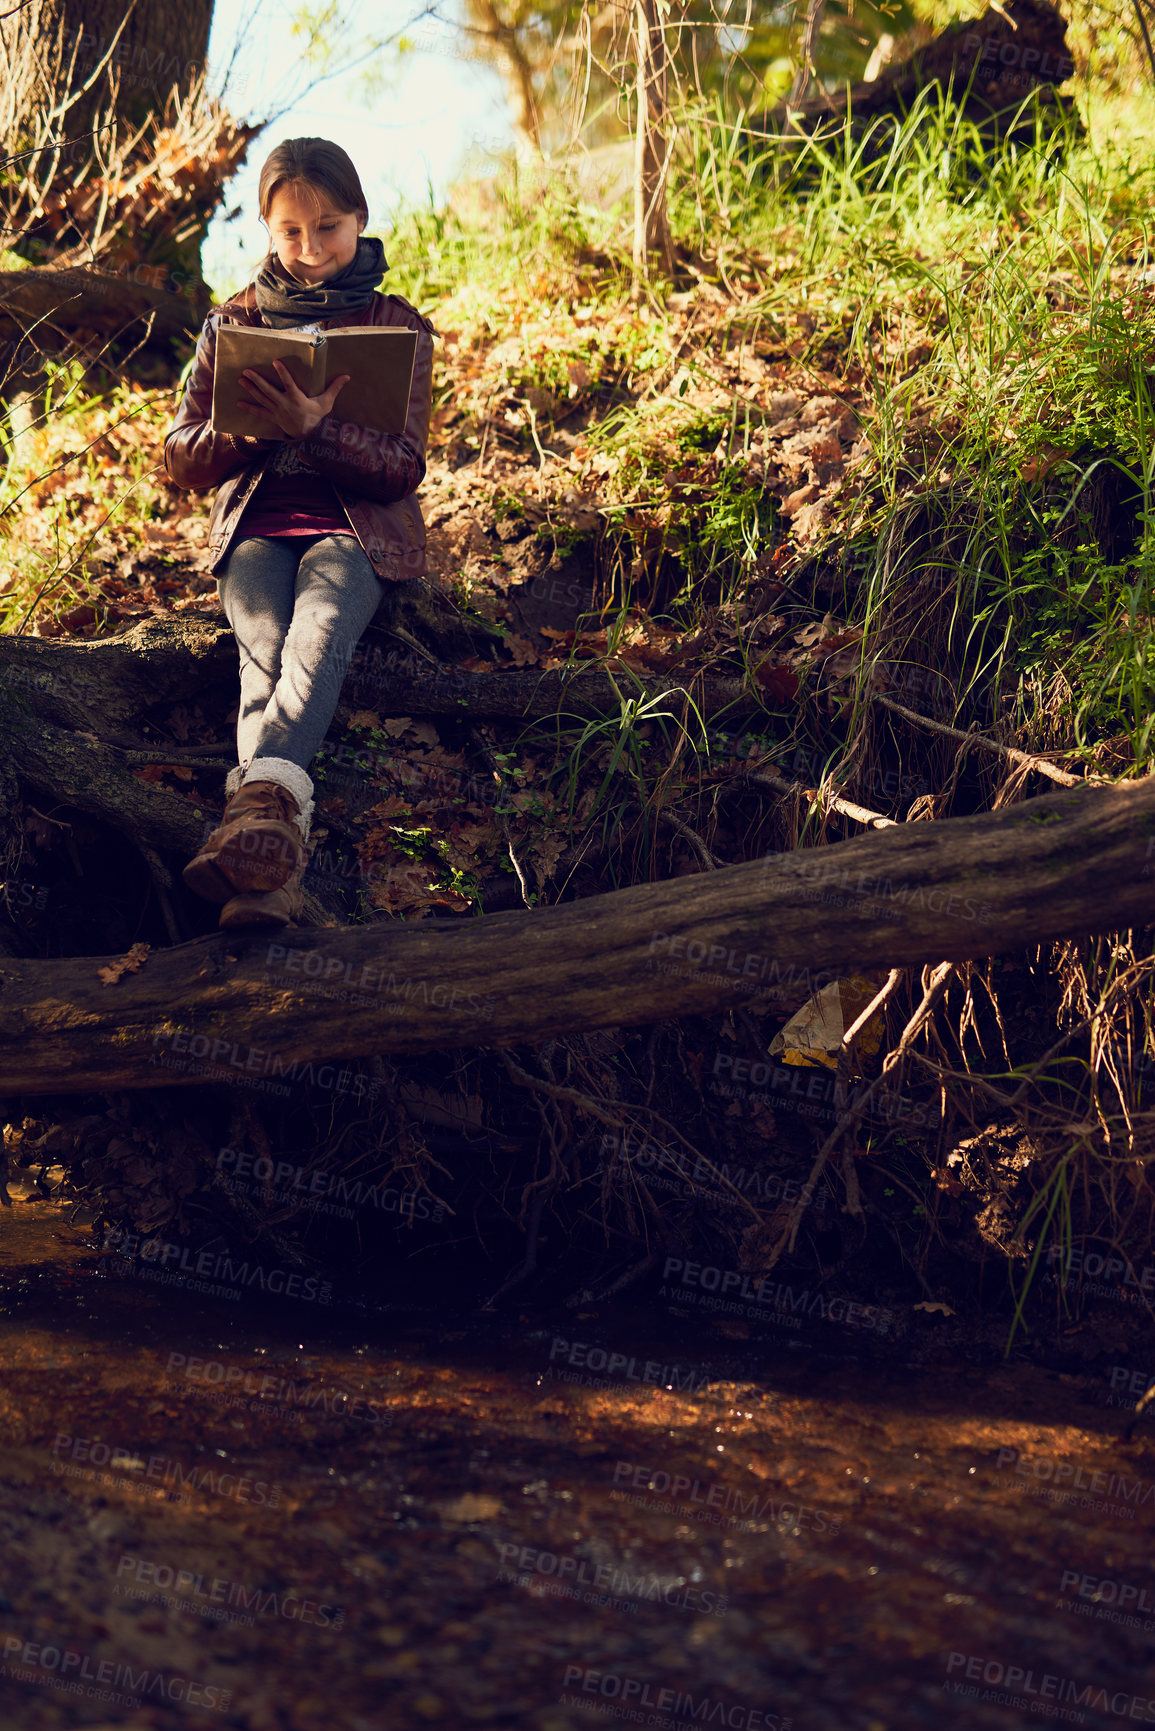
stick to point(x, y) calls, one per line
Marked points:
point(292, 411)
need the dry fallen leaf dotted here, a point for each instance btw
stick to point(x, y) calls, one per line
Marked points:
point(130, 964)
point(472, 1506)
point(422, 732)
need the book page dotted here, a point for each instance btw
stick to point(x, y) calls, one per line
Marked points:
point(380, 364)
point(248, 346)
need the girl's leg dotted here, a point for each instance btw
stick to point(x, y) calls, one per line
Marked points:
point(260, 841)
point(337, 594)
point(298, 607)
point(257, 592)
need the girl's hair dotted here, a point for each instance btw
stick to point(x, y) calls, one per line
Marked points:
point(317, 166)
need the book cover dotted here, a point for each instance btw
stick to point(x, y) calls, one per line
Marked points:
point(378, 359)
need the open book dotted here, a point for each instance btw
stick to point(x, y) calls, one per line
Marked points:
point(378, 359)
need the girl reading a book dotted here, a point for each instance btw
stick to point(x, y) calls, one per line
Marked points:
point(310, 523)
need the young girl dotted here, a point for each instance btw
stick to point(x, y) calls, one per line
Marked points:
point(306, 527)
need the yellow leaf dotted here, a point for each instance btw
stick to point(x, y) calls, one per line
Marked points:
point(813, 1035)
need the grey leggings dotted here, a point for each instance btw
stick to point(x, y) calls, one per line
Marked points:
point(297, 605)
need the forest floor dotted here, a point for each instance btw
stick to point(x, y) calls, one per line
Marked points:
point(899, 459)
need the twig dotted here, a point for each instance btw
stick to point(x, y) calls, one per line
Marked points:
point(598, 1294)
point(1144, 1401)
point(842, 1077)
point(770, 781)
point(1138, 4)
point(682, 829)
point(557, 1091)
point(875, 1004)
point(573, 1097)
point(162, 883)
point(483, 746)
point(516, 864)
point(542, 453)
point(806, 67)
point(529, 1264)
point(933, 991)
point(1023, 758)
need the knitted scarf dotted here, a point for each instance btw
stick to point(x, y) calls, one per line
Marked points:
point(284, 302)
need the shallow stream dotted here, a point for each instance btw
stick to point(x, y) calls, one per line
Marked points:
point(263, 1514)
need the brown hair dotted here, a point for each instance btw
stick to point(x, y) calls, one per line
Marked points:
point(317, 166)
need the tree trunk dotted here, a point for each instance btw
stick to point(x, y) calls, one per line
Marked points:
point(120, 157)
point(135, 54)
point(50, 303)
point(506, 47)
point(233, 1008)
point(651, 164)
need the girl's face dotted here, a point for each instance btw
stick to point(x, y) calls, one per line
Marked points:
point(312, 239)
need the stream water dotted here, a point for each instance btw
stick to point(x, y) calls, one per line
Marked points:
point(275, 1514)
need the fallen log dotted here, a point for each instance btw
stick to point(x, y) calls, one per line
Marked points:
point(53, 300)
point(254, 1009)
point(71, 713)
point(111, 682)
point(991, 64)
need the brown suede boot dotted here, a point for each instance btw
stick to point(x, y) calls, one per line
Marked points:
point(279, 907)
point(255, 849)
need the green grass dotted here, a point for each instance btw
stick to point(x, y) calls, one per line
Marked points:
point(991, 308)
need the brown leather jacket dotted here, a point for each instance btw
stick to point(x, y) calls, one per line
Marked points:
point(375, 475)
